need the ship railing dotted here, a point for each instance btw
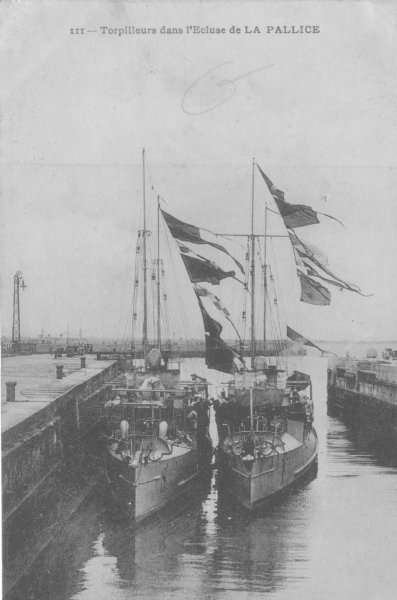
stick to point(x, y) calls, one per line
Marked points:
point(172, 365)
point(266, 443)
point(149, 413)
point(157, 396)
point(140, 390)
point(135, 435)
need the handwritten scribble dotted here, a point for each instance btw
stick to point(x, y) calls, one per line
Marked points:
point(211, 90)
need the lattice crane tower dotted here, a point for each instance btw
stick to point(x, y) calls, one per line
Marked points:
point(16, 319)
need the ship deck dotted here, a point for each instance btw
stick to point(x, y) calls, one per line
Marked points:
point(290, 443)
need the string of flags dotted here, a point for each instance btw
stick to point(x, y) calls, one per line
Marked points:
point(311, 264)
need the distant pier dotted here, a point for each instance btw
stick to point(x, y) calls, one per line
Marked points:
point(364, 394)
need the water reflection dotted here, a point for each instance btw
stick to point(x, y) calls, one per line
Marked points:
point(331, 537)
point(59, 573)
point(209, 546)
point(374, 435)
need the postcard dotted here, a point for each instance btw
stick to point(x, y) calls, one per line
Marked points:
point(198, 299)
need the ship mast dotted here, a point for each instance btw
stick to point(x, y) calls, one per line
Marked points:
point(144, 337)
point(252, 270)
point(158, 277)
point(264, 286)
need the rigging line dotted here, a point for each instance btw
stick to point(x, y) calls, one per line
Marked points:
point(282, 307)
point(273, 327)
point(151, 301)
point(261, 265)
point(256, 235)
point(226, 236)
point(149, 174)
point(244, 297)
point(126, 324)
point(276, 212)
point(153, 294)
point(144, 335)
point(136, 292)
point(277, 311)
point(127, 319)
point(182, 318)
point(230, 238)
point(252, 267)
point(295, 283)
point(246, 292)
point(121, 324)
point(272, 323)
point(158, 277)
point(166, 271)
point(283, 303)
point(151, 178)
point(126, 338)
point(279, 332)
point(122, 318)
point(123, 300)
point(163, 328)
point(164, 307)
point(153, 186)
point(165, 325)
point(237, 309)
point(153, 307)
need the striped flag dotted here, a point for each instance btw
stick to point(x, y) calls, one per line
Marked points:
point(311, 262)
point(294, 215)
point(184, 232)
point(203, 292)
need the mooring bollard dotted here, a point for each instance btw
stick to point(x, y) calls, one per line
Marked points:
point(82, 361)
point(60, 373)
point(10, 396)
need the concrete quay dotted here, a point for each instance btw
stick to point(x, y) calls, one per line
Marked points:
point(52, 406)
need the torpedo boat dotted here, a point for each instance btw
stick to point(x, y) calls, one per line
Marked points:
point(266, 437)
point(155, 424)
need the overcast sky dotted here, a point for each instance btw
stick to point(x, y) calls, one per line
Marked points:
point(319, 114)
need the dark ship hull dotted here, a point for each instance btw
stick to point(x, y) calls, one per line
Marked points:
point(253, 481)
point(156, 445)
point(139, 491)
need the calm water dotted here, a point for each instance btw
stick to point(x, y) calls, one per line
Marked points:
point(332, 537)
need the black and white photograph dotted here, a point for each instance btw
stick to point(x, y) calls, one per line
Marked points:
point(198, 299)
